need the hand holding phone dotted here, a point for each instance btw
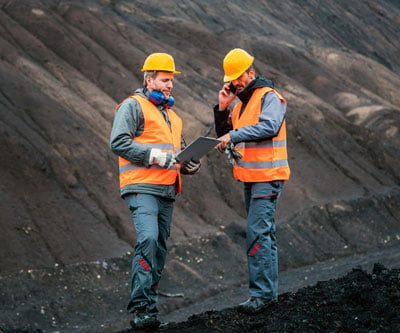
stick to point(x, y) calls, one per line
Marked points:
point(226, 95)
point(232, 88)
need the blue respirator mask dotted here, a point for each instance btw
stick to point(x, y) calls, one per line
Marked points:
point(158, 98)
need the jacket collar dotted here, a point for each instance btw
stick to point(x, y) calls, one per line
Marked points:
point(258, 82)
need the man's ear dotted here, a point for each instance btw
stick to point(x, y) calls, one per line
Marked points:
point(252, 73)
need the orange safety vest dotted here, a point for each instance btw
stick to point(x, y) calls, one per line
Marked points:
point(156, 134)
point(261, 160)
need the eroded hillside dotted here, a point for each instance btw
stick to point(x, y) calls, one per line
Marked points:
point(66, 64)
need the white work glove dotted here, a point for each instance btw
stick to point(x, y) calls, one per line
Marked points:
point(163, 159)
point(192, 166)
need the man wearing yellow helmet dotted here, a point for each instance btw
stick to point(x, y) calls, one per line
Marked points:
point(146, 135)
point(254, 136)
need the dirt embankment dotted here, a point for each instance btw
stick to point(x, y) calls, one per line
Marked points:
point(66, 64)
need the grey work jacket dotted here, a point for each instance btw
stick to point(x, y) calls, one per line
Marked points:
point(129, 123)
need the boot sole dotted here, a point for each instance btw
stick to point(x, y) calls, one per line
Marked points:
point(252, 311)
point(146, 325)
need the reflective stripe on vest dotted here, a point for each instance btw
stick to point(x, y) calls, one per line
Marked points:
point(262, 160)
point(156, 134)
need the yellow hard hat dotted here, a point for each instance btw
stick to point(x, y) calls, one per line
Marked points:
point(162, 62)
point(236, 62)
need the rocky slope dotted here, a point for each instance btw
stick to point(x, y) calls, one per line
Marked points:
point(65, 65)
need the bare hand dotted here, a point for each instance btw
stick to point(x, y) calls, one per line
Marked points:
point(225, 97)
point(225, 139)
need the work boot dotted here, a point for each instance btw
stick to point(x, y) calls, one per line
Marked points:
point(255, 305)
point(142, 319)
point(167, 326)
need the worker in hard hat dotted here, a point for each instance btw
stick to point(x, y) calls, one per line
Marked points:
point(146, 135)
point(256, 130)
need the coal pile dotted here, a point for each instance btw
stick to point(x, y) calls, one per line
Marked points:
point(356, 302)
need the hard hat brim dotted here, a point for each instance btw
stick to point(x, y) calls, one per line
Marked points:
point(157, 70)
point(231, 78)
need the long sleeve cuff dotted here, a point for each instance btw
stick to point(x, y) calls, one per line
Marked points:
point(220, 116)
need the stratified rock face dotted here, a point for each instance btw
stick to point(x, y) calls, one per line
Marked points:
point(66, 64)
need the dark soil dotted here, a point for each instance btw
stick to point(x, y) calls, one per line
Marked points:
point(91, 297)
point(357, 302)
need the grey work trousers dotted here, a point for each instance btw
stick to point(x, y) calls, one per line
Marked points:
point(151, 217)
point(262, 248)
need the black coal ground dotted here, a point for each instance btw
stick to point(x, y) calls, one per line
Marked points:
point(356, 302)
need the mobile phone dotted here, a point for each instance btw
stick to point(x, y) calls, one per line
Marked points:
point(232, 88)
